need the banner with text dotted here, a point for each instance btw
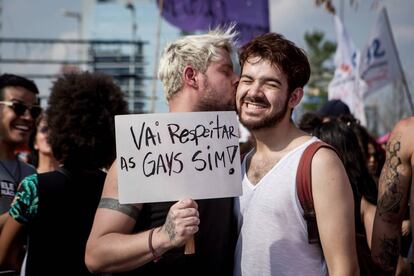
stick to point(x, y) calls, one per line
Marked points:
point(171, 156)
point(379, 60)
point(344, 85)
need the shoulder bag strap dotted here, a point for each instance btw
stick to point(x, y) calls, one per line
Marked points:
point(304, 188)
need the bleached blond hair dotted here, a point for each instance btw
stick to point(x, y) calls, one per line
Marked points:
point(196, 51)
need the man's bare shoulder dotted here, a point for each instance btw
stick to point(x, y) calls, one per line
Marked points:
point(329, 182)
point(327, 168)
point(110, 188)
point(326, 157)
point(400, 141)
point(110, 191)
point(404, 127)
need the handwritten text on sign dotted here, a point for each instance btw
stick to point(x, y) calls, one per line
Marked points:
point(170, 156)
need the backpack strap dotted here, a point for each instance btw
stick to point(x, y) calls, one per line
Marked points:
point(304, 188)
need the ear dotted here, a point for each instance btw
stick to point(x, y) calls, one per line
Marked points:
point(189, 76)
point(296, 97)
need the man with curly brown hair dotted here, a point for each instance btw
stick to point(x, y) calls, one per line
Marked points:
point(273, 234)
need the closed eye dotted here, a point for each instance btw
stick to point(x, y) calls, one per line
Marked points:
point(246, 80)
point(272, 85)
point(227, 73)
point(227, 70)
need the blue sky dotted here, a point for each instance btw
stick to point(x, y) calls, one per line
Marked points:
point(44, 19)
point(293, 17)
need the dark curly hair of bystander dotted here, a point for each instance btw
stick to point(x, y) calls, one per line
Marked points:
point(80, 116)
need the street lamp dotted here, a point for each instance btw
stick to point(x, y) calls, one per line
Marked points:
point(130, 6)
point(78, 17)
point(131, 95)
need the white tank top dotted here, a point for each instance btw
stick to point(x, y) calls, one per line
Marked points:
point(272, 232)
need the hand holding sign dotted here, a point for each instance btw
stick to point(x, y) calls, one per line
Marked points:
point(161, 155)
point(182, 222)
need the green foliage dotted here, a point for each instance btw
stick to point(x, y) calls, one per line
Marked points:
point(320, 53)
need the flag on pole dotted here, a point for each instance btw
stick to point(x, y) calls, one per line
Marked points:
point(344, 85)
point(379, 60)
point(251, 17)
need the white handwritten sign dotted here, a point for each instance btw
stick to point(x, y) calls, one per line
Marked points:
point(170, 156)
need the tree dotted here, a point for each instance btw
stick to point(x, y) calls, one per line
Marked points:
point(320, 53)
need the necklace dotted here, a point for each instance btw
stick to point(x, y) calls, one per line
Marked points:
point(16, 180)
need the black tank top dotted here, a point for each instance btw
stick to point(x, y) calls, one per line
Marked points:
point(214, 243)
point(58, 234)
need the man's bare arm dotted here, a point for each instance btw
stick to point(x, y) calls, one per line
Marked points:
point(113, 247)
point(393, 195)
point(334, 207)
point(10, 244)
point(3, 218)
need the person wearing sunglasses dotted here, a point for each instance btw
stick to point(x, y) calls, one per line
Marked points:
point(57, 208)
point(18, 111)
point(20, 108)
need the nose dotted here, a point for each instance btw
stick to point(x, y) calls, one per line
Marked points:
point(26, 115)
point(254, 88)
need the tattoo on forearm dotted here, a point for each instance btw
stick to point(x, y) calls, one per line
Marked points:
point(170, 228)
point(390, 252)
point(389, 202)
point(113, 204)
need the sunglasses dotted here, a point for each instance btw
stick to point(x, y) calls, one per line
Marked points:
point(20, 108)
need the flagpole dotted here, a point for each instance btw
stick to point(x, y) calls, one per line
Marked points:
point(341, 11)
point(404, 80)
point(157, 49)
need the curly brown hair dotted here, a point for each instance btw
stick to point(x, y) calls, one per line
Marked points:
point(282, 53)
point(80, 116)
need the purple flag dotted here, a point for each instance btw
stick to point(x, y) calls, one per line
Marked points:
point(251, 16)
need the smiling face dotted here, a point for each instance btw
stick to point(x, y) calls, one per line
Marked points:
point(218, 85)
point(15, 130)
point(262, 95)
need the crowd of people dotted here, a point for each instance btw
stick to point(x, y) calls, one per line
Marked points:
point(60, 214)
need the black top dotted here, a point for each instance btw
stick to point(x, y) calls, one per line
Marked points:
point(214, 243)
point(58, 234)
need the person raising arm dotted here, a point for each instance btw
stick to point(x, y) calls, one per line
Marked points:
point(394, 192)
